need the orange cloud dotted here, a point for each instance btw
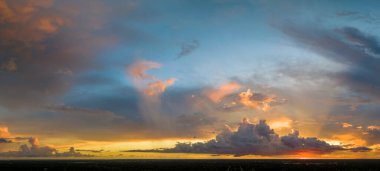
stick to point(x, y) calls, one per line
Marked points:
point(349, 139)
point(34, 141)
point(5, 12)
point(346, 125)
point(148, 84)
point(150, 88)
point(50, 24)
point(246, 98)
point(138, 69)
point(158, 87)
point(4, 133)
point(373, 127)
point(28, 20)
point(217, 94)
point(280, 123)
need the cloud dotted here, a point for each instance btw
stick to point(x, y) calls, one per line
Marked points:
point(92, 151)
point(4, 140)
point(40, 40)
point(358, 52)
point(346, 125)
point(217, 94)
point(255, 101)
point(148, 84)
point(372, 135)
point(9, 66)
point(138, 69)
point(347, 46)
point(228, 98)
point(360, 149)
point(358, 38)
point(158, 87)
point(35, 150)
point(72, 153)
point(4, 133)
point(5, 136)
point(150, 89)
point(373, 127)
point(365, 17)
point(188, 48)
point(280, 123)
point(255, 139)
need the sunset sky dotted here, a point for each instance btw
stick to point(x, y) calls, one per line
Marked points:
point(189, 79)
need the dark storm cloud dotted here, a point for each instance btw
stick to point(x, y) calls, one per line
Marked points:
point(255, 139)
point(347, 46)
point(45, 43)
point(188, 48)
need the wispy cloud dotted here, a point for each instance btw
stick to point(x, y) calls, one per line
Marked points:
point(188, 48)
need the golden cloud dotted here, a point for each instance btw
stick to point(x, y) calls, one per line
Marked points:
point(148, 84)
point(158, 87)
point(138, 69)
point(280, 123)
point(217, 94)
point(246, 98)
point(4, 132)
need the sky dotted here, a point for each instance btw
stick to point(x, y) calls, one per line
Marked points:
point(189, 79)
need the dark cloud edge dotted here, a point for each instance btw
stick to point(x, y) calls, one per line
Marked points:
point(256, 139)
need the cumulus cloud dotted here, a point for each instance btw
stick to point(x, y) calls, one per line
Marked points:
point(255, 139)
point(4, 132)
point(188, 48)
point(35, 150)
point(230, 98)
point(358, 52)
point(6, 136)
point(251, 100)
